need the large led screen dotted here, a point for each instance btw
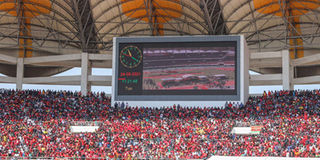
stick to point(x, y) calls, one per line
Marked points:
point(176, 69)
point(189, 68)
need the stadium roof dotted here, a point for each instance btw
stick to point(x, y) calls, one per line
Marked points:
point(50, 27)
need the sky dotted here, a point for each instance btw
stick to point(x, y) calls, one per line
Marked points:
point(98, 71)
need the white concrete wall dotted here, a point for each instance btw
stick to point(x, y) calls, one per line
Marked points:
point(241, 130)
point(83, 129)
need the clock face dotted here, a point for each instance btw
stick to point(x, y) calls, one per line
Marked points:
point(130, 56)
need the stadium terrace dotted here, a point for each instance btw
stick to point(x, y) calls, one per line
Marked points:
point(37, 124)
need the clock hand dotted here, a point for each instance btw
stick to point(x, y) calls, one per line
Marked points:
point(130, 53)
point(135, 59)
point(127, 55)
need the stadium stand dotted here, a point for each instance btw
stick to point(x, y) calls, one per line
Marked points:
point(37, 124)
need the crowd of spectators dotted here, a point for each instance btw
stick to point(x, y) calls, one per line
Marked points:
point(36, 124)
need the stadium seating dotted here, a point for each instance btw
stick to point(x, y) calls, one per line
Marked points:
point(36, 124)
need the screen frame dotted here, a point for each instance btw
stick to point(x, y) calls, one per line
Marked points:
point(134, 40)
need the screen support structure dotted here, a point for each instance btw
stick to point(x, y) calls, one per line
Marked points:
point(128, 48)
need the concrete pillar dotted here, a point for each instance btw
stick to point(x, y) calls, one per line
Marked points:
point(86, 70)
point(20, 74)
point(287, 71)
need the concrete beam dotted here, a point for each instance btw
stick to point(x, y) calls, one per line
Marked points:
point(104, 64)
point(307, 80)
point(265, 63)
point(52, 80)
point(100, 57)
point(264, 55)
point(8, 59)
point(266, 77)
point(46, 59)
point(59, 64)
point(101, 83)
point(99, 78)
point(267, 70)
point(64, 80)
point(69, 80)
point(308, 60)
point(265, 83)
point(74, 83)
point(96, 64)
point(4, 79)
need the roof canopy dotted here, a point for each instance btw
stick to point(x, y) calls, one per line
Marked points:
point(42, 27)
